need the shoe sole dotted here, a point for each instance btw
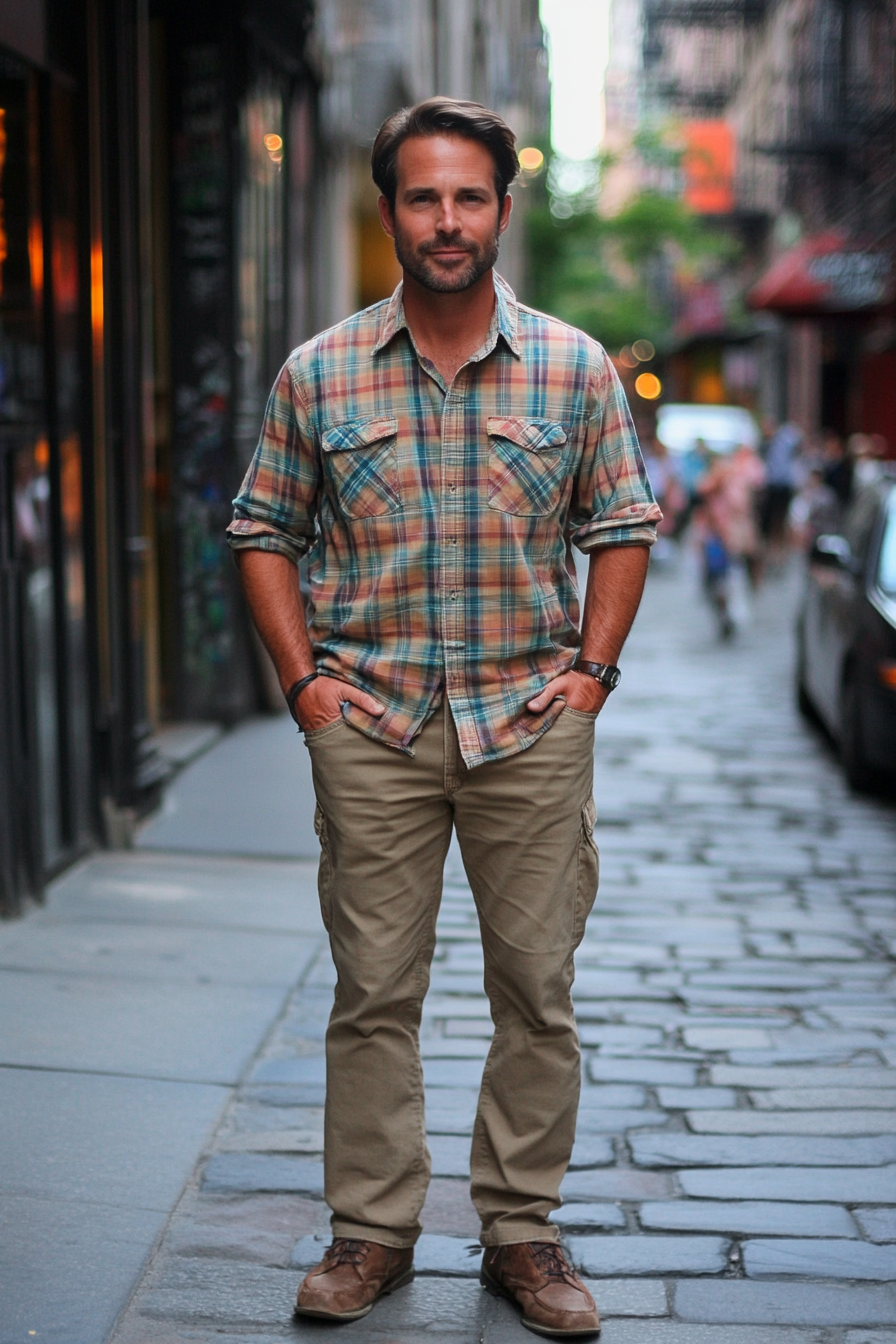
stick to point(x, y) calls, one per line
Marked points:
point(498, 1290)
point(362, 1311)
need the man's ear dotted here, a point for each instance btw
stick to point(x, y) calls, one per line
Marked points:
point(387, 216)
point(506, 208)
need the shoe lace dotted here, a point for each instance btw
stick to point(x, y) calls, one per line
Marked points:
point(552, 1262)
point(346, 1252)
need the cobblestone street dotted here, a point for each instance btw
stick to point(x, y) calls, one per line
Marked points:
point(734, 1175)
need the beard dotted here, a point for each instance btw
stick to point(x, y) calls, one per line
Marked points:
point(432, 277)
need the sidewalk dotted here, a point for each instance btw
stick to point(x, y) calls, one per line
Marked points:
point(734, 1178)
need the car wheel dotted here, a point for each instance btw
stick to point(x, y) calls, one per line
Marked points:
point(862, 776)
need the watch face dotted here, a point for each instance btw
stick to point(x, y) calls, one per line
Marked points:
point(611, 677)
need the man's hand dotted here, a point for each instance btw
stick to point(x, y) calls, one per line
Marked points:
point(321, 701)
point(578, 690)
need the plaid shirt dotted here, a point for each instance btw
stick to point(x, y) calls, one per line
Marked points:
point(436, 519)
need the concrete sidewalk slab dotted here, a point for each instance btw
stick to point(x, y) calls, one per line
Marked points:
point(250, 794)
point(129, 1007)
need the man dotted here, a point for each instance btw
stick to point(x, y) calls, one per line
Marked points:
point(433, 456)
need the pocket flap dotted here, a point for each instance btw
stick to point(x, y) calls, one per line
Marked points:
point(532, 434)
point(359, 433)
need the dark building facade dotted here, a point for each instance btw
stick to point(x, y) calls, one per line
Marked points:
point(153, 166)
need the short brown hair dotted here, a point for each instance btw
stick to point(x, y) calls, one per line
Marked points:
point(444, 116)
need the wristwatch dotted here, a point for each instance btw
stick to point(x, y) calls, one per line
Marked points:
point(608, 675)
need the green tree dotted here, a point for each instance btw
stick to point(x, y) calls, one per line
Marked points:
point(613, 276)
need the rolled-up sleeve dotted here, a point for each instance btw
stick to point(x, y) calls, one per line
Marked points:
point(612, 504)
point(275, 508)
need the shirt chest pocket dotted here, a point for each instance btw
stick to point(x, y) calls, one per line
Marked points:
point(361, 466)
point(525, 465)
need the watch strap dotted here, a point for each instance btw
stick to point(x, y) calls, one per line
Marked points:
point(605, 673)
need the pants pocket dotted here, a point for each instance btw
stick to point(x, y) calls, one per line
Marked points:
point(588, 871)
point(325, 870)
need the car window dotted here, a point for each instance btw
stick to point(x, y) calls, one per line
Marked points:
point(886, 570)
point(859, 523)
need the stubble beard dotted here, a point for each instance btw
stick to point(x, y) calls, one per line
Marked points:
point(414, 262)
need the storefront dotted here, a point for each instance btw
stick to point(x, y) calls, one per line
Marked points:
point(155, 166)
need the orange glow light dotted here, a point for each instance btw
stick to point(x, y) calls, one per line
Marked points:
point(96, 291)
point(272, 143)
point(887, 674)
point(36, 259)
point(530, 159)
point(41, 455)
point(648, 386)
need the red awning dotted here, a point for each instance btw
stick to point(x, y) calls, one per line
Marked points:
point(824, 274)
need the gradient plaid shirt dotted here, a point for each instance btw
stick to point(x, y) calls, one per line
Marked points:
point(436, 519)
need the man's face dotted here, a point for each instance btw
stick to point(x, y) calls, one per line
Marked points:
point(446, 222)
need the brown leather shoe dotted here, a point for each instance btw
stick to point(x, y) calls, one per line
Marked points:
point(536, 1276)
point(350, 1278)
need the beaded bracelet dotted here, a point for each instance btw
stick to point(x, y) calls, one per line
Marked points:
point(294, 691)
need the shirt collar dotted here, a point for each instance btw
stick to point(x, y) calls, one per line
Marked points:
point(505, 320)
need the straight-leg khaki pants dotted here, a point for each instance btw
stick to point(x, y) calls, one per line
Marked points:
point(524, 827)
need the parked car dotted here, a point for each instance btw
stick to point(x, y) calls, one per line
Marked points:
point(846, 636)
point(679, 425)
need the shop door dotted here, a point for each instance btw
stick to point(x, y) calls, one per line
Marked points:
point(44, 756)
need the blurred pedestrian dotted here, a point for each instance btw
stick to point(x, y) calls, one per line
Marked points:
point(730, 536)
point(781, 481)
point(668, 491)
point(836, 466)
point(814, 509)
point(434, 454)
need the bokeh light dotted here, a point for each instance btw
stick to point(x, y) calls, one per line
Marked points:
point(648, 386)
point(530, 159)
point(643, 350)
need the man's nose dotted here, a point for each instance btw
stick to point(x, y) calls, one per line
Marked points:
point(447, 221)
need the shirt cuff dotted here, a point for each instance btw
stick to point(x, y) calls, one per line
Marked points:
point(637, 529)
point(245, 535)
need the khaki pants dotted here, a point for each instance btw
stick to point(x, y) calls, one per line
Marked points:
point(524, 827)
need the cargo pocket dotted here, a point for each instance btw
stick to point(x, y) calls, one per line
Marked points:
point(325, 870)
point(362, 466)
point(525, 465)
point(588, 871)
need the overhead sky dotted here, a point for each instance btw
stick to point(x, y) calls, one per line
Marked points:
point(578, 33)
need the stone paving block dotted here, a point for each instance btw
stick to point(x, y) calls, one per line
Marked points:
point(743, 1301)
point(622, 1070)
point(791, 1122)
point(256, 1228)
point(673, 1332)
point(450, 1154)
point(748, 1216)
point(818, 1259)
point(590, 1150)
point(598, 1256)
point(452, 1072)
point(225, 1293)
point(651, 1149)
point(806, 1184)
point(726, 1038)
point(824, 1098)
point(456, 1048)
point(258, 1172)
point(615, 1183)
point(592, 1033)
point(448, 1209)
point(588, 1215)
point(451, 1110)
point(617, 1122)
point(870, 1337)
point(694, 1098)
point(627, 1297)
point(610, 1096)
point(877, 1224)
point(731, 1075)
point(310, 1095)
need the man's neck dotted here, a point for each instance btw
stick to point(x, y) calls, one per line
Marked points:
point(449, 328)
